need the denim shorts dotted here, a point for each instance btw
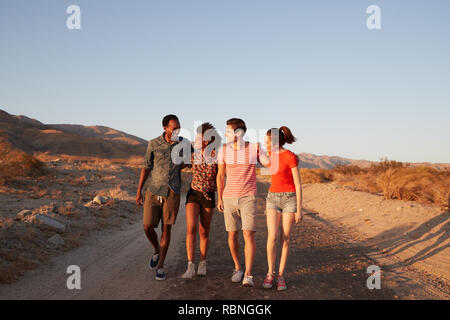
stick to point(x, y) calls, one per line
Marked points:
point(282, 201)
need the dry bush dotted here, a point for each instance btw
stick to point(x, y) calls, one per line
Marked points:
point(116, 192)
point(347, 169)
point(360, 182)
point(392, 179)
point(316, 175)
point(384, 165)
point(423, 184)
point(15, 163)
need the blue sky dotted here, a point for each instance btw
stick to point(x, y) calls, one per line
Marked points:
point(311, 65)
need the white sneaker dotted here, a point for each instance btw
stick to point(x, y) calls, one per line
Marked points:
point(190, 272)
point(237, 276)
point(201, 268)
point(248, 281)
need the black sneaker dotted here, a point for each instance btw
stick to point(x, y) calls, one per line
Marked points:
point(154, 261)
point(160, 274)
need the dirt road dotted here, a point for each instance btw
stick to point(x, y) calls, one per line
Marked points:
point(324, 264)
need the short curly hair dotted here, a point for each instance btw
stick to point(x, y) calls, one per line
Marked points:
point(204, 127)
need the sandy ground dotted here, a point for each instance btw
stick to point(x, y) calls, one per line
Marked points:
point(62, 194)
point(325, 263)
point(113, 266)
point(342, 234)
point(322, 266)
point(415, 234)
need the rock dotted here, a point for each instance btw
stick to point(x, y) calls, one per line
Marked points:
point(56, 240)
point(399, 208)
point(89, 204)
point(49, 222)
point(99, 200)
point(23, 214)
point(360, 210)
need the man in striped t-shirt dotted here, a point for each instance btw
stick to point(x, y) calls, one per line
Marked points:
point(237, 199)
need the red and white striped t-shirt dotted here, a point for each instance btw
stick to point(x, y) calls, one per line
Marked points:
point(240, 170)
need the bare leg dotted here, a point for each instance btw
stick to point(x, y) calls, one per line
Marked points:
point(192, 213)
point(233, 243)
point(273, 223)
point(288, 220)
point(250, 249)
point(205, 223)
point(164, 244)
point(152, 236)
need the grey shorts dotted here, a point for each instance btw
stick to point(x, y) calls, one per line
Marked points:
point(240, 211)
point(282, 201)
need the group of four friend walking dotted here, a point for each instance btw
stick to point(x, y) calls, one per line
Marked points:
point(229, 170)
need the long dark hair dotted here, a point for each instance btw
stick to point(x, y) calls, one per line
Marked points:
point(285, 135)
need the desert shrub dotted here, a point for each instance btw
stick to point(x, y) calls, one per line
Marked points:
point(392, 179)
point(347, 169)
point(422, 184)
point(360, 182)
point(316, 175)
point(384, 165)
point(15, 163)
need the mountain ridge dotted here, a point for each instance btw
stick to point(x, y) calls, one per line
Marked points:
point(33, 136)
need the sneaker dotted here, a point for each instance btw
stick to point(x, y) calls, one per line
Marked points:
point(201, 268)
point(248, 281)
point(154, 261)
point(281, 284)
point(160, 274)
point(237, 276)
point(190, 272)
point(268, 281)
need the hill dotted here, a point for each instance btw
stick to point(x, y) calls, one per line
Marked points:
point(99, 132)
point(312, 161)
point(34, 137)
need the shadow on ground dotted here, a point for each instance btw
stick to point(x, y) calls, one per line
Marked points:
point(322, 265)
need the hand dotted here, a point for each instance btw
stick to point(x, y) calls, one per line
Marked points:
point(139, 198)
point(298, 215)
point(220, 205)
